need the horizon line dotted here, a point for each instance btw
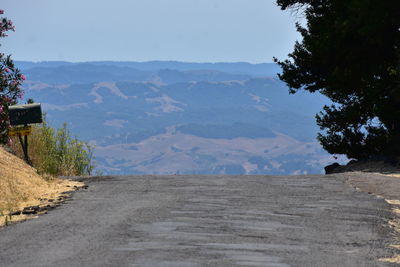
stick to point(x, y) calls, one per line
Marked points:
point(148, 61)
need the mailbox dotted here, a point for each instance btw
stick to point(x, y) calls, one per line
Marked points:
point(25, 114)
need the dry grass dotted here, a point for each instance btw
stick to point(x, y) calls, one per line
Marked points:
point(395, 175)
point(395, 224)
point(21, 186)
point(395, 259)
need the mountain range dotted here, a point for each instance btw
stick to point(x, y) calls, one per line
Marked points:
point(178, 118)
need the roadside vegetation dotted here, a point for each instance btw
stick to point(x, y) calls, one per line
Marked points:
point(55, 152)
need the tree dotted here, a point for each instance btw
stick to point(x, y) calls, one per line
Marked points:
point(10, 81)
point(350, 53)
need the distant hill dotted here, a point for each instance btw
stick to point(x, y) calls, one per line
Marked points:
point(264, 69)
point(174, 117)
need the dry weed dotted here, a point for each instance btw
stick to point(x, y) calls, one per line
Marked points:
point(21, 186)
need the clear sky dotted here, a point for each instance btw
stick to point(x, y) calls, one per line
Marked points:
point(141, 30)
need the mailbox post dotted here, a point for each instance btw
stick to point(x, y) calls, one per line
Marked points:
point(24, 115)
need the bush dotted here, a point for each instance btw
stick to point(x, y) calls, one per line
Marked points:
point(55, 152)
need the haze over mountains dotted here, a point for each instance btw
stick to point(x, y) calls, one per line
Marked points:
point(174, 117)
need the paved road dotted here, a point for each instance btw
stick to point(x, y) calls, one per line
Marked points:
point(206, 221)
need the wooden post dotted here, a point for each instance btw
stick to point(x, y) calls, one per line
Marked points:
point(24, 146)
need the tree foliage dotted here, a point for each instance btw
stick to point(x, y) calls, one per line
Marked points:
point(10, 81)
point(350, 53)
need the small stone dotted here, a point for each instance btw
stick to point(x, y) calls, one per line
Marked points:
point(330, 168)
point(353, 161)
point(28, 212)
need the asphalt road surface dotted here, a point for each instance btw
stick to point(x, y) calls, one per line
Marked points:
point(206, 221)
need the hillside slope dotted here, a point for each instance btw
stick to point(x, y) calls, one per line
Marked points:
point(21, 186)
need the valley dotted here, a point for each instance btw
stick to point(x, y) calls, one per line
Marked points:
point(181, 118)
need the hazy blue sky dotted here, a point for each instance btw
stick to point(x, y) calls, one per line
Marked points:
point(141, 30)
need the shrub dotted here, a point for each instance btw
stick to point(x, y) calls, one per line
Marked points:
point(55, 152)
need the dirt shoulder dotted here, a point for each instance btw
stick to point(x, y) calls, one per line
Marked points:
point(385, 186)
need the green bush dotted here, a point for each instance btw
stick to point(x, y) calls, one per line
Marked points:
point(56, 152)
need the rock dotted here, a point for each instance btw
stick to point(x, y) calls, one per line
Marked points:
point(352, 162)
point(67, 192)
point(36, 208)
point(31, 210)
point(28, 212)
point(330, 168)
point(15, 213)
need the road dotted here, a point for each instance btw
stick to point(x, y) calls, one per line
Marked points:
point(206, 221)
